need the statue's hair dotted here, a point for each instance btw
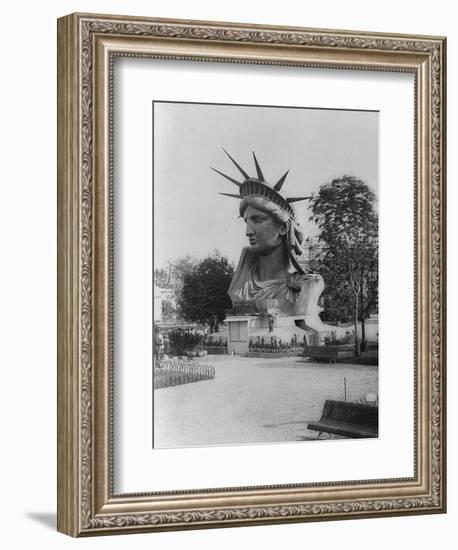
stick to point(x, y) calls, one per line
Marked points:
point(261, 203)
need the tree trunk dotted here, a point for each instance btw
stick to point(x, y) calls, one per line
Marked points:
point(357, 347)
point(362, 316)
point(362, 312)
point(363, 333)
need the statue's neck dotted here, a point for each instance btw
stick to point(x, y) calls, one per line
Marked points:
point(274, 265)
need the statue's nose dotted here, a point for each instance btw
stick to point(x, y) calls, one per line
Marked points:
point(249, 230)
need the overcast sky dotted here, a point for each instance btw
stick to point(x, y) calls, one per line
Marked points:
point(315, 145)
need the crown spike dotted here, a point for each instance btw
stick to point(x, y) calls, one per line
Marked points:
point(227, 177)
point(281, 181)
point(258, 168)
point(242, 171)
point(231, 195)
point(297, 199)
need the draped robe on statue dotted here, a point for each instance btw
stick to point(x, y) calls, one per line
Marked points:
point(297, 295)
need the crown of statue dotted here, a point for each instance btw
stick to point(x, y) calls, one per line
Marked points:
point(260, 187)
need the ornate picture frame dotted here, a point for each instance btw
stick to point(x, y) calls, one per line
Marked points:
point(87, 46)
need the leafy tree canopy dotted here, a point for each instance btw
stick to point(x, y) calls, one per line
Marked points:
point(344, 212)
point(204, 293)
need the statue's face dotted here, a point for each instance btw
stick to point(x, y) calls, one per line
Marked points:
point(263, 232)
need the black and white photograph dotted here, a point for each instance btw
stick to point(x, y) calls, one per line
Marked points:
point(265, 275)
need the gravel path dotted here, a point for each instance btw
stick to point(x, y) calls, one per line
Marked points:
point(254, 401)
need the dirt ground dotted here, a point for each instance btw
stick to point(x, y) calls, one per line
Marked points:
point(254, 400)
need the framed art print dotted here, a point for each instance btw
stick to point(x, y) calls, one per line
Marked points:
point(251, 274)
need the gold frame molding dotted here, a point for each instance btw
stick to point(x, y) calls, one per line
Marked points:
point(87, 44)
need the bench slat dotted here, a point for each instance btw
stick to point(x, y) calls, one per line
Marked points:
point(344, 429)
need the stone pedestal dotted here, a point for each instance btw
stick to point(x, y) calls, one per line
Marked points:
point(262, 327)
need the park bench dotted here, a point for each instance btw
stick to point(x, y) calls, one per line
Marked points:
point(346, 419)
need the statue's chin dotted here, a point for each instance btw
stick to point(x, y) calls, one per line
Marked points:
point(263, 250)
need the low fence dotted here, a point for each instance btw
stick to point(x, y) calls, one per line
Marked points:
point(216, 350)
point(169, 373)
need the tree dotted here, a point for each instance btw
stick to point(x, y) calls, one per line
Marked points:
point(345, 214)
point(204, 294)
point(171, 277)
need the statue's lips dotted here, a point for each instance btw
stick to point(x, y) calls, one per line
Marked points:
point(252, 241)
